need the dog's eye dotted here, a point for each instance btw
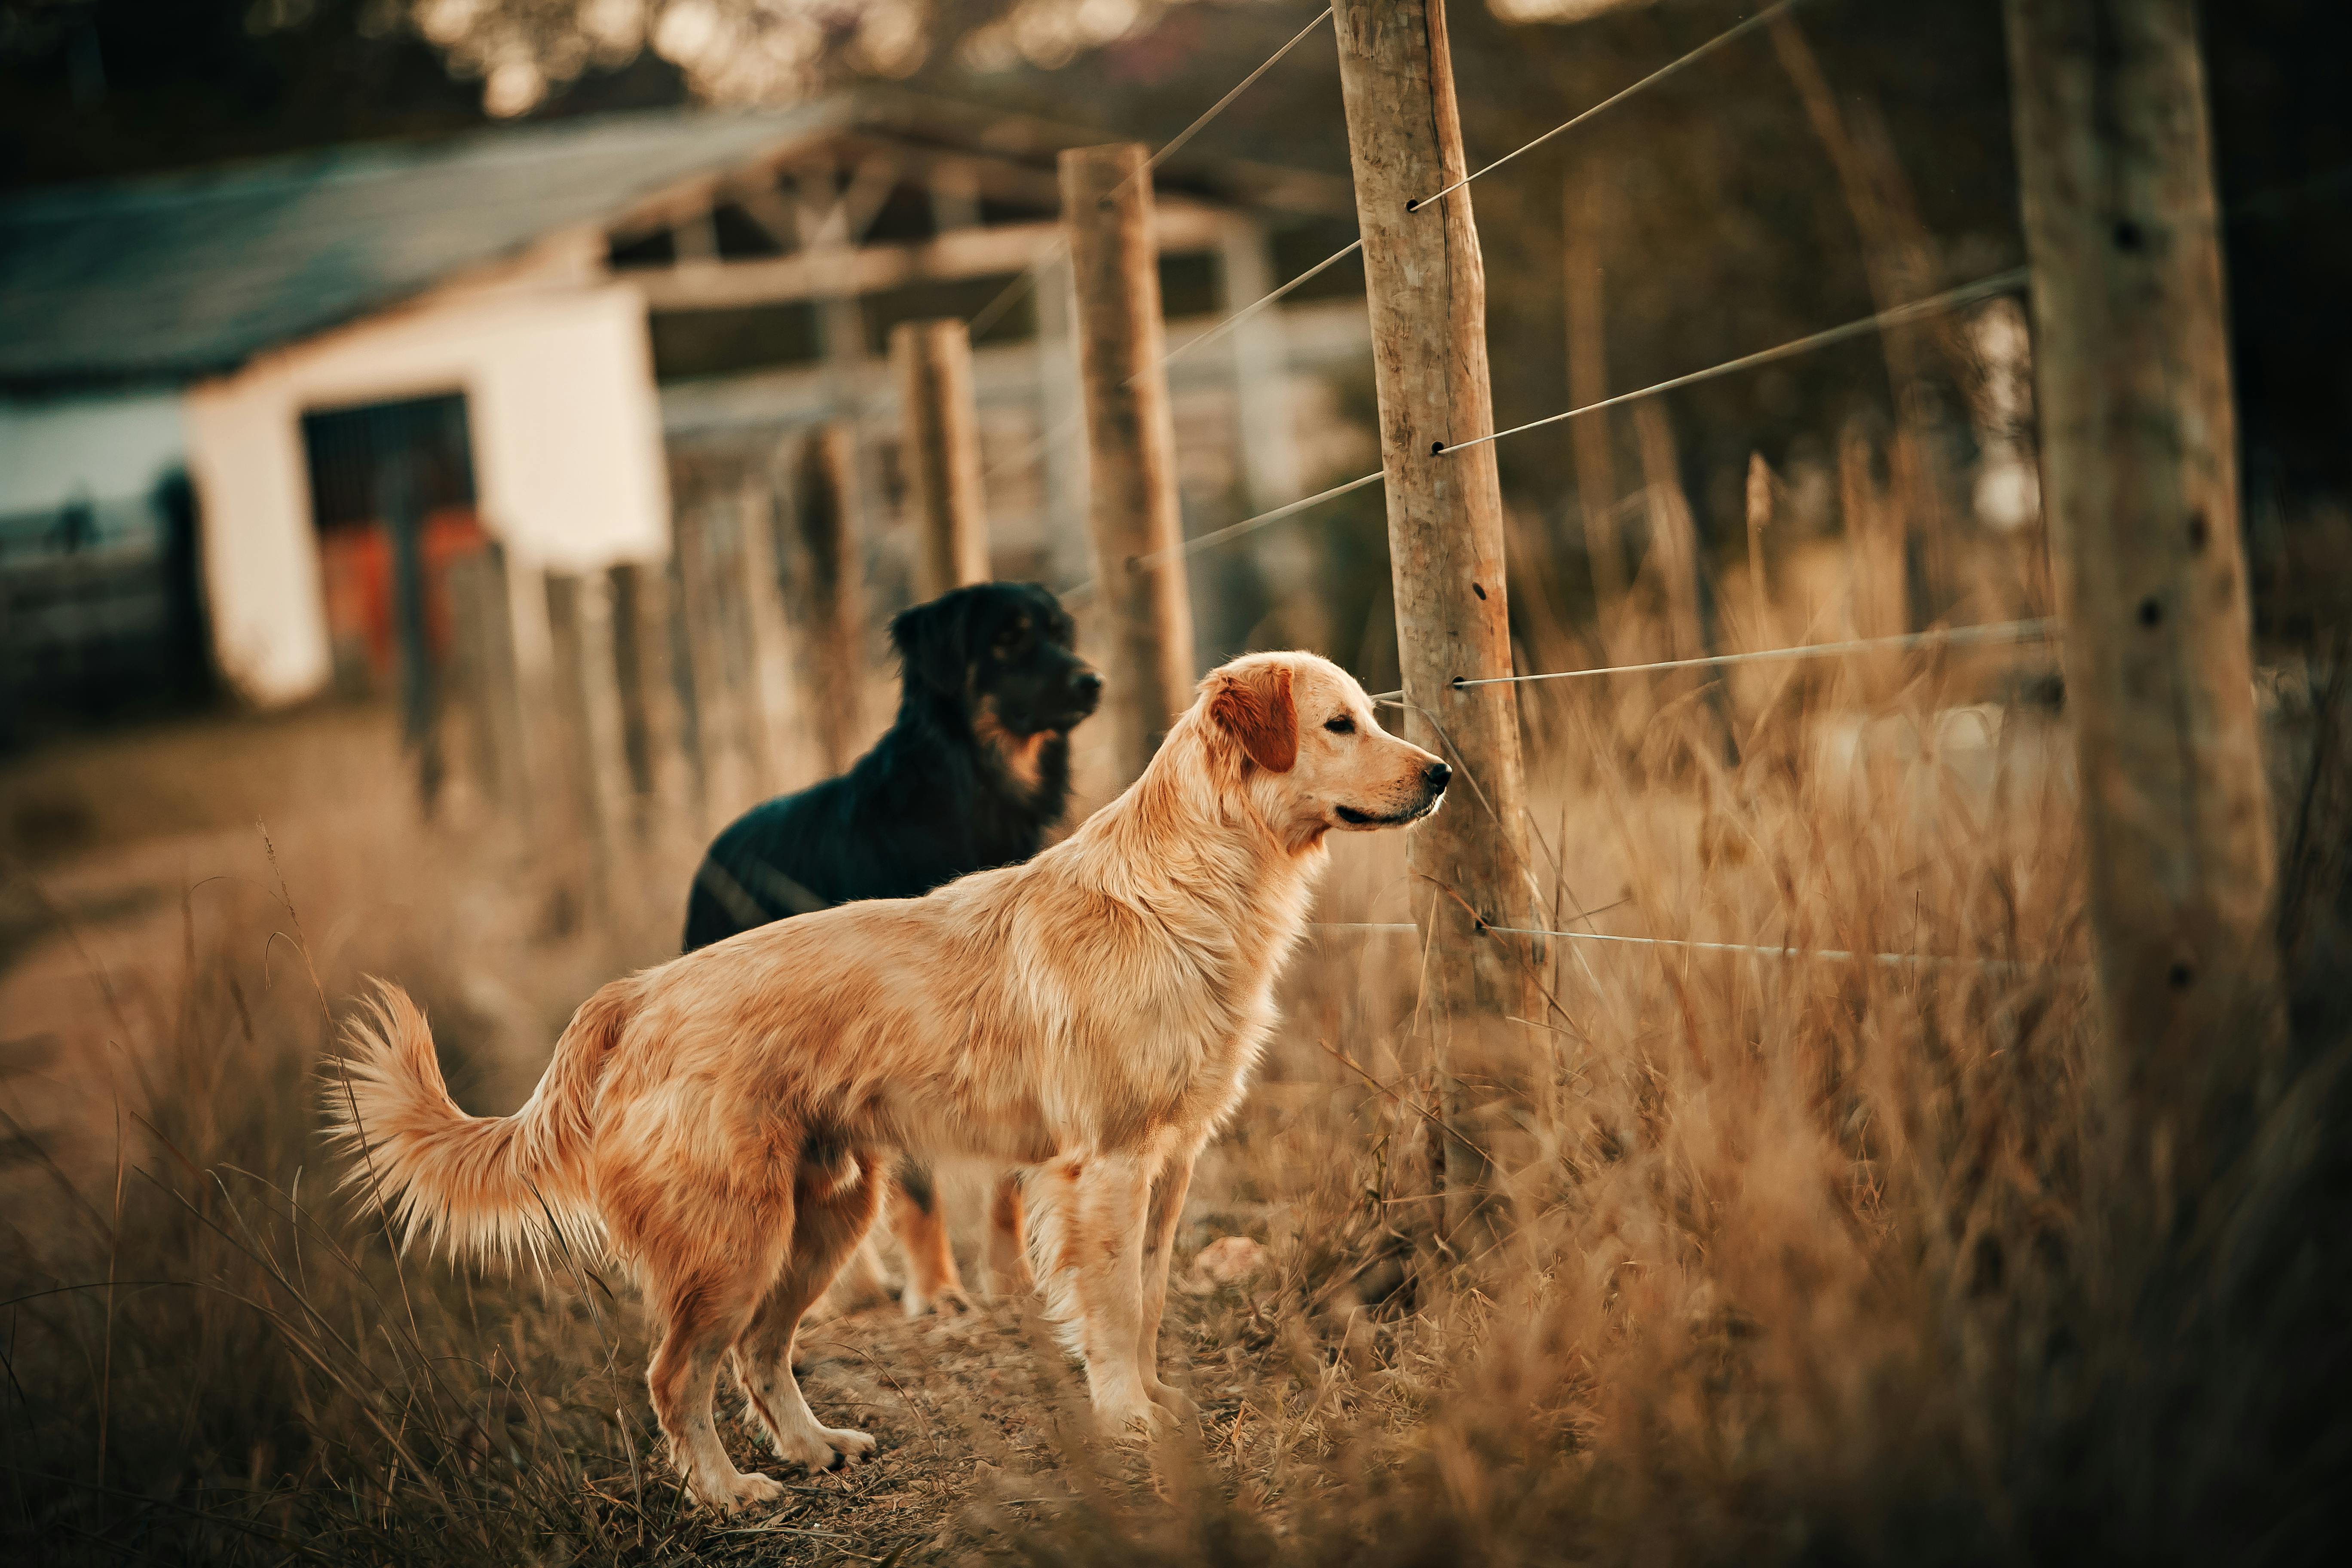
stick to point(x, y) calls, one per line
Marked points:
point(1342, 725)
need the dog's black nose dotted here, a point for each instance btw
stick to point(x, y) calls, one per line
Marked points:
point(1435, 776)
point(1085, 684)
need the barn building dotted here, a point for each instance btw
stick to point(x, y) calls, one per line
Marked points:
point(553, 334)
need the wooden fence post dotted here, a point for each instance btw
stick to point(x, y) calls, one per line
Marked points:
point(2139, 458)
point(481, 603)
point(1131, 446)
point(940, 427)
point(721, 742)
point(1428, 296)
point(832, 575)
point(588, 712)
point(761, 646)
point(651, 738)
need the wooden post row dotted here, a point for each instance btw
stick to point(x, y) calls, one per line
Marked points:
point(932, 361)
point(1131, 446)
point(1426, 284)
point(2139, 460)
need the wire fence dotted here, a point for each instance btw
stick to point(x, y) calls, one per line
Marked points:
point(1807, 954)
point(1959, 297)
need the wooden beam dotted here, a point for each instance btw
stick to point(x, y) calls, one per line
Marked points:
point(939, 445)
point(830, 580)
point(824, 273)
point(1427, 287)
point(1132, 446)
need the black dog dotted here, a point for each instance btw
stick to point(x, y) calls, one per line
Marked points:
point(974, 773)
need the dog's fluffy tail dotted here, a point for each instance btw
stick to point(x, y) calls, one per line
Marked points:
point(484, 1185)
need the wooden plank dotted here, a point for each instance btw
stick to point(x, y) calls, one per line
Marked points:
point(588, 713)
point(481, 599)
point(940, 425)
point(1132, 446)
point(831, 271)
point(1061, 408)
point(761, 647)
point(718, 716)
point(1426, 283)
point(2139, 460)
point(831, 575)
point(651, 738)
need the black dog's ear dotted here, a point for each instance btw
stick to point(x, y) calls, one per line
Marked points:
point(934, 642)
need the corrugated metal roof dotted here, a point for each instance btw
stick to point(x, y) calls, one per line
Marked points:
point(172, 277)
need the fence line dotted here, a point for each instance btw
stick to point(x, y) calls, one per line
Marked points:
point(1255, 306)
point(1983, 289)
point(1820, 954)
point(990, 314)
point(1966, 294)
point(1735, 30)
point(1219, 106)
point(2043, 630)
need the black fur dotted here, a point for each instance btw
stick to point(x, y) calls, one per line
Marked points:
point(935, 799)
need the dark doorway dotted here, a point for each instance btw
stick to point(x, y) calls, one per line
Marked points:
point(377, 471)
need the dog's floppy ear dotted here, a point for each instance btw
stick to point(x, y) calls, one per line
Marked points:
point(1255, 707)
point(933, 642)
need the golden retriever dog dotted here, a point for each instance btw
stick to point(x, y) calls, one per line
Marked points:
point(722, 1123)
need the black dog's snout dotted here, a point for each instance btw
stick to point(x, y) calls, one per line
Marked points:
point(1435, 776)
point(1085, 685)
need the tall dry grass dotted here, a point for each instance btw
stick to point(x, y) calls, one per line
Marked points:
point(1801, 1258)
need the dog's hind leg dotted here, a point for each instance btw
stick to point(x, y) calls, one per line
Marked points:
point(701, 1314)
point(1159, 1225)
point(932, 1282)
point(830, 1220)
point(1008, 1258)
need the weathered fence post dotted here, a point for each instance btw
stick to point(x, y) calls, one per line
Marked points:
point(1428, 296)
point(588, 712)
point(481, 603)
point(833, 599)
point(1131, 446)
point(2139, 458)
point(941, 426)
point(721, 743)
point(651, 734)
point(761, 651)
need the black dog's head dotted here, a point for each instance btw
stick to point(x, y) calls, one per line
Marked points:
point(1003, 652)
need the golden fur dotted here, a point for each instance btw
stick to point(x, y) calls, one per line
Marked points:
point(721, 1122)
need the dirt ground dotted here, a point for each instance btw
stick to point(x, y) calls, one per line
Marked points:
point(130, 858)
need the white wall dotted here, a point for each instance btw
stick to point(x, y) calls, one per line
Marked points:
point(104, 447)
point(566, 431)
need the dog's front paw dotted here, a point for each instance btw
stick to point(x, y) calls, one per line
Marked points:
point(848, 1442)
point(948, 1302)
point(1174, 1401)
point(1130, 1420)
point(731, 1492)
point(826, 1447)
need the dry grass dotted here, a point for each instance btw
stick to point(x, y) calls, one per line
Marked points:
point(1804, 1260)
